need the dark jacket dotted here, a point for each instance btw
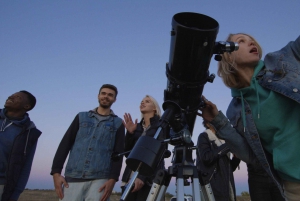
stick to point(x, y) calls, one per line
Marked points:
point(131, 139)
point(215, 167)
point(22, 145)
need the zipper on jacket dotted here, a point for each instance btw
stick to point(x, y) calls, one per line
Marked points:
point(214, 172)
point(220, 152)
point(26, 142)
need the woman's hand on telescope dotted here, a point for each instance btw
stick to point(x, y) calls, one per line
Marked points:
point(209, 111)
point(129, 124)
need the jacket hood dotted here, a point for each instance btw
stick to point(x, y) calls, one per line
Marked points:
point(95, 112)
point(243, 91)
point(25, 121)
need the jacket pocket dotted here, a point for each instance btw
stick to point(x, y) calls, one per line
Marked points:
point(85, 129)
point(108, 135)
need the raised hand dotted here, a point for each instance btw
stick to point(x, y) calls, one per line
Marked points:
point(129, 124)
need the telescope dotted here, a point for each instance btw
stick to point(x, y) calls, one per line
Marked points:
point(192, 45)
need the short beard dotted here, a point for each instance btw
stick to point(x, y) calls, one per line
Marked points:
point(105, 106)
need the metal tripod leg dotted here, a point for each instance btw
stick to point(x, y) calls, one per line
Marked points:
point(159, 186)
point(188, 171)
point(206, 195)
point(196, 186)
point(182, 172)
point(207, 192)
point(130, 184)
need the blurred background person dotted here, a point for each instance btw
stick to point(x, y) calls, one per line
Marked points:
point(215, 165)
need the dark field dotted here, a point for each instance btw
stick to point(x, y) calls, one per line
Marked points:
point(50, 195)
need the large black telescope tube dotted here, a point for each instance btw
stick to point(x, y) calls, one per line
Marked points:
point(193, 38)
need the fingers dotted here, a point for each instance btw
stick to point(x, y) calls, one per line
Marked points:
point(127, 118)
point(65, 183)
point(138, 184)
point(104, 196)
point(59, 192)
point(205, 100)
point(107, 187)
point(58, 182)
point(101, 188)
point(207, 103)
point(210, 111)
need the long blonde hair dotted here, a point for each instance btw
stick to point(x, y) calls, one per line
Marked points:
point(227, 67)
point(157, 108)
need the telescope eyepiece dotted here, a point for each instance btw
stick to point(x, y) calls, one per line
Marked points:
point(225, 46)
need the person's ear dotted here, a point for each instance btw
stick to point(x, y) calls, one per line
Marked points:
point(27, 107)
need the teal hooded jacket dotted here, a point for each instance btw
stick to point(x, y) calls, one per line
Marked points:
point(280, 74)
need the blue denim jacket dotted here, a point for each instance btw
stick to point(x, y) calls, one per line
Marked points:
point(90, 155)
point(281, 74)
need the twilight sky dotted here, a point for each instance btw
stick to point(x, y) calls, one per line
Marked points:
point(63, 51)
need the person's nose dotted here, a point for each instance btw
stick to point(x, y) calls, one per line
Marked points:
point(251, 42)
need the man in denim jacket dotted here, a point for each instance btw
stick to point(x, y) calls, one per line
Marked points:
point(264, 116)
point(93, 136)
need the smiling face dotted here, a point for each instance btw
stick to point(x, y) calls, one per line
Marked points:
point(147, 106)
point(106, 97)
point(17, 101)
point(248, 54)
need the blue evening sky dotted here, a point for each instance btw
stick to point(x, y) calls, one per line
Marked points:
point(63, 51)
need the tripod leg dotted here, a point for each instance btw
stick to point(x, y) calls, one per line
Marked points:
point(130, 184)
point(180, 184)
point(196, 185)
point(159, 187)
point(207, 192)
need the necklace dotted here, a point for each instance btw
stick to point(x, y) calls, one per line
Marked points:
point(144, 126)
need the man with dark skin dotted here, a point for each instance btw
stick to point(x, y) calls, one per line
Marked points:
point(18, 140)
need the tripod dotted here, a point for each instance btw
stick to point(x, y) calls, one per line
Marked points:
point(182, 168)
point(182, 163)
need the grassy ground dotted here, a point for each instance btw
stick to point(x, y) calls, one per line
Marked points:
point(50, 195)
